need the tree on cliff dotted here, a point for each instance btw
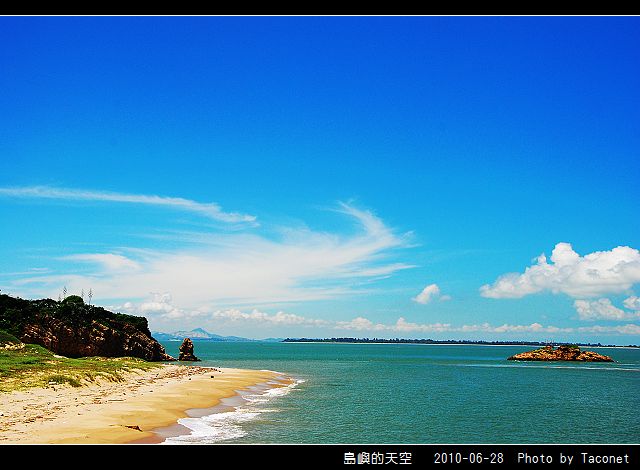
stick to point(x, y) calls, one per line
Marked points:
point(72, 308)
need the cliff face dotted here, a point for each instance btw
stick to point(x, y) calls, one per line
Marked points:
point(94, 339)
point(562, 353)
point(73, 329)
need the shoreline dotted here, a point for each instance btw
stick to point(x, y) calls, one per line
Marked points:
point(131, 411)
point(226, 404)
point(448, 344)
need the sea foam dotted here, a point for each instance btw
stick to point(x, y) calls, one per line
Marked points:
point(228, 425)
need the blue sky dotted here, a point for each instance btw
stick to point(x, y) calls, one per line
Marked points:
point(328, 176)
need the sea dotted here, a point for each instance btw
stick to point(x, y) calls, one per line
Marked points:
point(416, 393)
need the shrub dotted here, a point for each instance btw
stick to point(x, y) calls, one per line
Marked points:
point(6, 338)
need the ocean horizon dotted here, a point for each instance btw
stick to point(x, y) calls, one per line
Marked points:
point(417, 393)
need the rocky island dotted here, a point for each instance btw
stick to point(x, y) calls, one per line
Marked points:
point(561, 353)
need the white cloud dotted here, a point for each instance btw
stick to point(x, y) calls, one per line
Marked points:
point(403, 326)
point(429, 293)
point(601, 309)
point(632, 303)
point(160, 307)
point(533, 327)
point(256, 316)
point(360, 324)
point(229, 269)
point(110, 261)
point(629, 329)
point(210, 210)
point(598, 273)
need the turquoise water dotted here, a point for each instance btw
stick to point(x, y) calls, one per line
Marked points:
point(386, 393)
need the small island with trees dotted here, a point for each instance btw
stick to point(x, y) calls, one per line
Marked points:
point(570, 352)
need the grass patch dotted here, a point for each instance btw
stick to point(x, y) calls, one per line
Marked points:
point(63, 379)
point(35, 366)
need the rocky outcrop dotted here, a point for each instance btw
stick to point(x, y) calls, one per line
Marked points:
point(73, 328)
point(95, 339)
point(562, 353)
point(186, 351)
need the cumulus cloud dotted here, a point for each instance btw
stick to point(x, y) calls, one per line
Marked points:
point(632, 303)
point(159, 305)
point(256, 316)
point(601, 309)
point(429, 293)
point(598, 273)
point(629, 329)
point(360, 324)
point(401, 325)
point(404, 326)
point(210, 209)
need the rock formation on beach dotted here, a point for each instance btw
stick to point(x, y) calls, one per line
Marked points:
point(562, 353)
point(72, 328)
point(93, 339)
point(186, 351)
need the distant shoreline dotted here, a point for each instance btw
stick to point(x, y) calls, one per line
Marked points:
point(448, 342)
point(452, 344)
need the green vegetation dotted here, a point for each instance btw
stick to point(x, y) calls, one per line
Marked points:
point(7, 339)
point(35, 366)
point(572, 346)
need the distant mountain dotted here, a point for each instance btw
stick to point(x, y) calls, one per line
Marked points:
point(197, 334)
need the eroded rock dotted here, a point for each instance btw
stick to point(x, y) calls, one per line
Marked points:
point(186, 351)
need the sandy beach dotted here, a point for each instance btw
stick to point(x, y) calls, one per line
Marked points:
point(119, 412)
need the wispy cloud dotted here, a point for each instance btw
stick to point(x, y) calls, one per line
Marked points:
point(227, 269)
point(110, 261)
point(210, 210)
